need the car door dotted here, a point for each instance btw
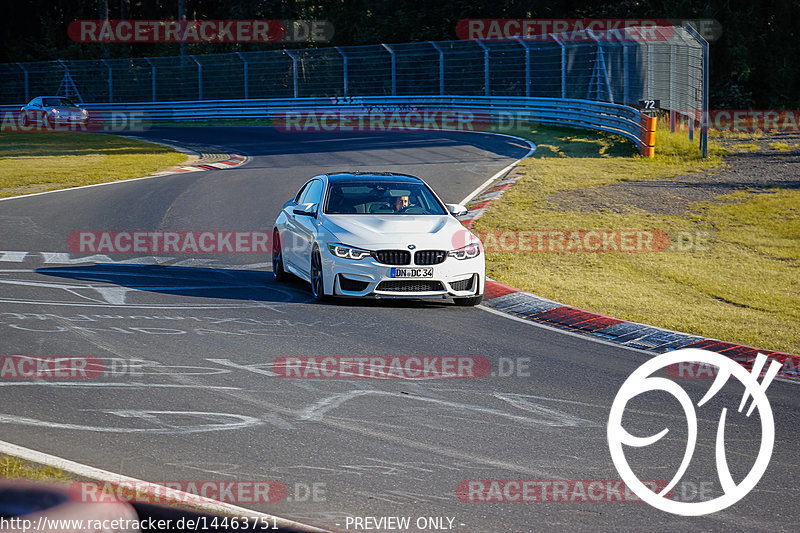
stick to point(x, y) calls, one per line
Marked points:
point(32, 110)
point(302, 228)
point(289, 228)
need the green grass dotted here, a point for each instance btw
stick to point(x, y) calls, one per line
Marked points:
point(707, 290)
point(783, 147)
point(749, 147)
point(41, 161)
point(14, 468)
point(729, 134)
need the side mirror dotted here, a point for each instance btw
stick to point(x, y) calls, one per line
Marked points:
point(456, 209)
point(309, 210)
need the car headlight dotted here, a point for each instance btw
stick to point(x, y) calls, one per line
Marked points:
point(85, 112)
point(55, 111)
point(348, 252)
point(469, 251)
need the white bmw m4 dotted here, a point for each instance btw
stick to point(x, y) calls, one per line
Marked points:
point(379, 235)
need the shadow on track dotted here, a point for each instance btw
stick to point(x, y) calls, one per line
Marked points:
point(215, 283)
point(246, 285)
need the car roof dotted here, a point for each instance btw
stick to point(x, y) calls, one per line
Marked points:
point(342, 177)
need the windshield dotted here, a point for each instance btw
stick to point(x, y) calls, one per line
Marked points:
point(385, 198)
point(57, 102)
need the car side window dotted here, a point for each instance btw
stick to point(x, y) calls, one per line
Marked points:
point(301, 191)
point(312, 194)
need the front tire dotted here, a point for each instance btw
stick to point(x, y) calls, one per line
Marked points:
point(278, 272)
point(468, 302)
point(317, 279)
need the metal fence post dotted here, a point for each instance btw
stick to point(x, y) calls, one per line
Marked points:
point(441, 67)
point(600, 67)
point(394, 69)
point(25, 78)
point(671, 101)
point(294, 70)
point(244, 61)
point(485, 66)
point(563, 65)
point(199, 77)
point(704, 117)
point(625, 74)
point(110, 81)
point(527, 66)
point(704, 123)
point(152, 75)
point(648, 91)
point(68, 84)
point(344, 74)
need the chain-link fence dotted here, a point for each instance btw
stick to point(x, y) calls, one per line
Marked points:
point(670, 66)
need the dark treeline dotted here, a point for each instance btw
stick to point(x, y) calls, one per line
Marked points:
point(753, 63)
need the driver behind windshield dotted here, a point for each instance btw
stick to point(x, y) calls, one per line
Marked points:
point(400, 204)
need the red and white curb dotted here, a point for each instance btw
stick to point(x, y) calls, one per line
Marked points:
point(234, 160)
point(478, 206)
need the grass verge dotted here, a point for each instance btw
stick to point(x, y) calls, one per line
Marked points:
point(41, 161)
point(15, 468)
point(740, 285)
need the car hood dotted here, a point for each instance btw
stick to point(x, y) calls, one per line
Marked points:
point(67, 109)
point(440, 232)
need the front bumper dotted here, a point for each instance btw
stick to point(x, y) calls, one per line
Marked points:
point(367, 277)
point(69, 119)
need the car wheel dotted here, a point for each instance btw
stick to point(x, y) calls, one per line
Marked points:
point(468, 302)
point(317, 281)
point(278, 273)
point(25, 120)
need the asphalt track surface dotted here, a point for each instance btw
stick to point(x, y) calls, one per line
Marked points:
point(206, 406)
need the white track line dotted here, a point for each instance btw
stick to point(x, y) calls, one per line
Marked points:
point(488, 182)
point(103, 475)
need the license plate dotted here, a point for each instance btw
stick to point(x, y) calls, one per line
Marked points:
point(411, 273)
